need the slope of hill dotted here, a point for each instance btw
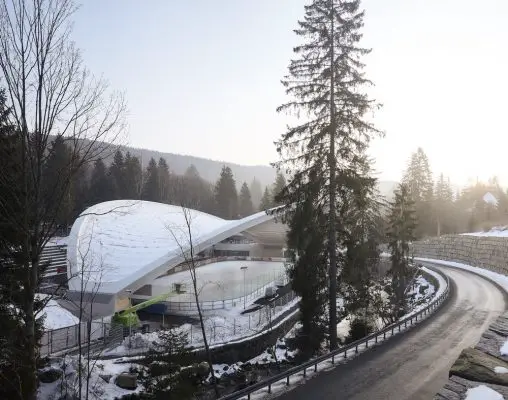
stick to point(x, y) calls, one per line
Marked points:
point(210, 169)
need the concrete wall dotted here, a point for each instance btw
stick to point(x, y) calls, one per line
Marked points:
point(480, 251)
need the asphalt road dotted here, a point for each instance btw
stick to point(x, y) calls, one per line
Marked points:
point(414, 365)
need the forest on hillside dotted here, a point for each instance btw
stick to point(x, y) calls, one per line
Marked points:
point(124, 178)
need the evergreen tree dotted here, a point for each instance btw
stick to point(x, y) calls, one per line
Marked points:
point(226, 196)
point(278, 187)
point(57, 165)
point(327, 85)
point(402, 225)
point(308, 273)
point(163, 376)
point(151, 191)
point(255, 192)
point(101, 187)
point(191, 190)
point(245, 207)
point(133, 177)
point(117, 176)
point(81, 191)
point(443, 206)
point(362, 255)
point(266, 200)
point(164, 181)
point(419, 183)
point(12, 368)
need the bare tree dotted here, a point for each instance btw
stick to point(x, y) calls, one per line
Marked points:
point(50, 94)
point(185, 242)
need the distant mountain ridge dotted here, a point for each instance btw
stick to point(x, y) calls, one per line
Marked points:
point(210, 169)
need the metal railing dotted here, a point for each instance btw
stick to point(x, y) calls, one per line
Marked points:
point(62, 339)
point(210, 305)
point(341, 352)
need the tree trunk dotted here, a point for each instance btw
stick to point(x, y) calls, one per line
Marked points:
point(203, 332)
point(332, 162)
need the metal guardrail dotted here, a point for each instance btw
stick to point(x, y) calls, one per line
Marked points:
point(342, 351)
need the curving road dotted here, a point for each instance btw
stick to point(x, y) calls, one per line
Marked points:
point(414, 365)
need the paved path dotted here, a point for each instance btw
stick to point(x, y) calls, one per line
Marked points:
point(414, 365)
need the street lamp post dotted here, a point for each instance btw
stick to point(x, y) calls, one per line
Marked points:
point(244, 269)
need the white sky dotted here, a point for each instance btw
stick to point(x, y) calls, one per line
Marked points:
point(203, 77)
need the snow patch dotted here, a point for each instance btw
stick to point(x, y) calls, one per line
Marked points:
point(483, 392)
point(501, 280)
point(501, 370)
point(58, 317)
point(504, 349)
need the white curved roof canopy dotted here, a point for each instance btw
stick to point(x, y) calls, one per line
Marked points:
point(123, 244)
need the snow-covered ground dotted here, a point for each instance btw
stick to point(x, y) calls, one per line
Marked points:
point(223, 326)
point(99, 389)
point(501, 280)
point(221, 280)
point(58, 317)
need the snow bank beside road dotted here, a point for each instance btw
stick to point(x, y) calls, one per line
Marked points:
point(501, 280)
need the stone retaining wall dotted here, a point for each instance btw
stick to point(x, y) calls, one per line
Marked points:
point(479, 251)
point(475, 366)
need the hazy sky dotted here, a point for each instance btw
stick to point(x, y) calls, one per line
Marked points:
point(203, 77)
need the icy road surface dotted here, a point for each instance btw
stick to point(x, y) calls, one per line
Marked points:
point(414, 365)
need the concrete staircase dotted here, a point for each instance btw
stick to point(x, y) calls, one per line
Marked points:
point(57, 258)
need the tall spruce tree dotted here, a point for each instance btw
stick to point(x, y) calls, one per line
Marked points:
point(117, 176)
point(226, 196)
point(402, 225)
point(266, 200)
point(443, 206)
point(308, 271)
point(255, 192)
point(362, 254)
point(151, 190)
point(418, 180)
point(164, 181)
point(101, 186)
point(278, 187)
point(326, 83)
point(57, 164)
point(133, 177)
point(245, 206)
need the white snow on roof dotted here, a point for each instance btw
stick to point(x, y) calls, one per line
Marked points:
point(58, 317)
point(117, 238)
point(483, 392)
point(490, 199)
point(120, 243)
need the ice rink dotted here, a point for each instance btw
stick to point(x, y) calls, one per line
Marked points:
point(221, 281)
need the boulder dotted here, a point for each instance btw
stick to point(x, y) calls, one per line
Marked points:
point(106, 378)
point(456, 389)
point(475, 365)
point(127, 381)
point(50, 374)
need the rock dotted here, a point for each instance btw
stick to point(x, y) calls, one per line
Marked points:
point(475, 365)
point(490, 343)
point(202, 370)
point(49, 375)
point(127, 381)
point(456, 388)
point(105, 378)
